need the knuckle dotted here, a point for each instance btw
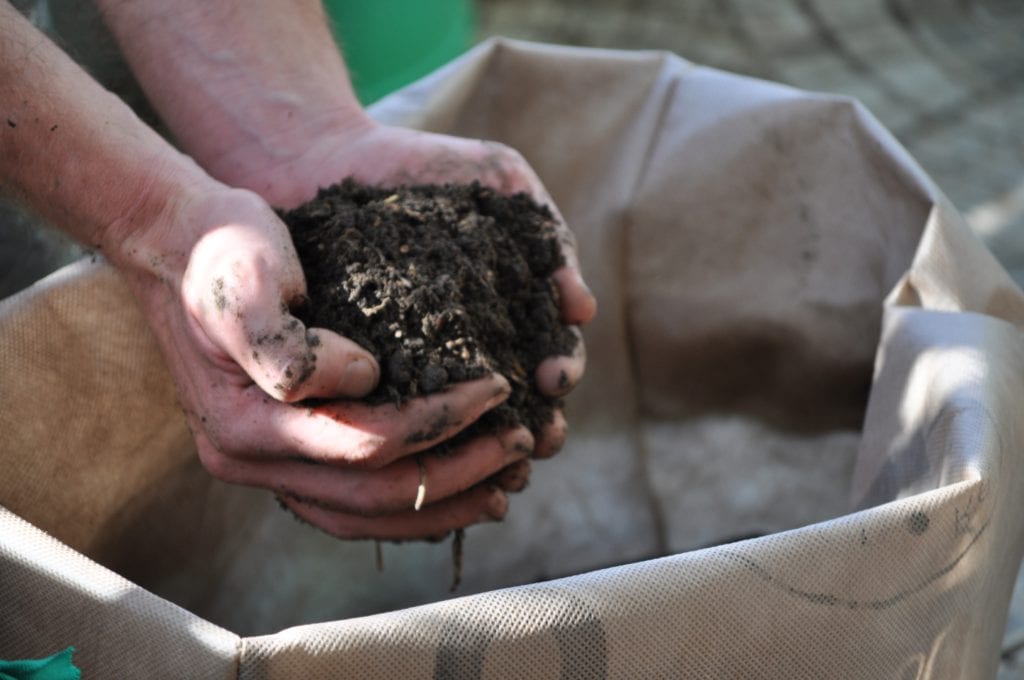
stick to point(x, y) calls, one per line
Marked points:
point(369, 452)
point(287, 362)
point(310, 513)
point(345, 533)
point(291, 380)
point(366, 502)
point(512, 171)
point(217, 463)
point(508, 154)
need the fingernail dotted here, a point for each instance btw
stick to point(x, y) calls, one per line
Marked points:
point(578, 303)
point(563, 381)
point(515, 477)
point(497, 506)
point(501, 392)
point(517, 443)
point(568, 375)
point(584, 287)
point(359, 377)
point(553, 436)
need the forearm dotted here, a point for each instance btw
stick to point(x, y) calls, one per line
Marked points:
point(238, 82)
point(74, 152)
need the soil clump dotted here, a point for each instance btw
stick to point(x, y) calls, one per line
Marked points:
point(442, 284)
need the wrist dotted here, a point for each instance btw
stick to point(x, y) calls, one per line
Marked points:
point(285, 142)
point(148, 236)
point(234, 102)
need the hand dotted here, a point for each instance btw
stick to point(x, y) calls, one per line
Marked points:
point(284, 123)
point(384, 155)
point(216, 276)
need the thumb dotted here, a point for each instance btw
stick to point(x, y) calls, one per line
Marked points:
point(313, 363)
point(289, 361)
point(240, 302)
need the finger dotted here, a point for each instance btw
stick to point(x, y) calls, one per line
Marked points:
point(479, 504)
point(239, 285)
point(342, 369)
point(513, 478)
point(295, 364)
point(579, 306)
point(507, 171)
point(557, 376)
point(348, 433)
point(552, 436)
point(276, 350)
point(397, 487)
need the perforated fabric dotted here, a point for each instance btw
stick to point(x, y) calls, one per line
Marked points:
point(763, 257)
point(52, 596)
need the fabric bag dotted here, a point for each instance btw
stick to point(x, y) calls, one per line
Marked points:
point(799, 344)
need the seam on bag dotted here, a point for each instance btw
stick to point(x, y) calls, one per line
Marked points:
point(239, 654)
point(667, 99)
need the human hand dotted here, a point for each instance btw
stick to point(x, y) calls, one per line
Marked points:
point(217, 276)
point(285, 123)
point(384, 155)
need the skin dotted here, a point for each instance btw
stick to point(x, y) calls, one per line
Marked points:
point(215, 272)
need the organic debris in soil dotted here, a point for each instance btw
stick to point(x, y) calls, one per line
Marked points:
point(442, 283)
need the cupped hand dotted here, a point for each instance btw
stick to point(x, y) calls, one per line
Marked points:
point(386, 155)
point(217, 278)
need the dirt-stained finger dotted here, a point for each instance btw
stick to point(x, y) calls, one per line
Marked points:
point(293, 364)
point(514, 478)
point(557, 376)
point(479, 504)
point(552, 436)
point(425, 477)
point(579, 306)
point(347, 433)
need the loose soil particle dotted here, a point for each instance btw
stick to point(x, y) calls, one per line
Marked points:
point(442, 283)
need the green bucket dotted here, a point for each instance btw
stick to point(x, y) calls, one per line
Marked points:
point(390, 43)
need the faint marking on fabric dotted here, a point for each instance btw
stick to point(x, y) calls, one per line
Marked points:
point(917, 522)
point(830, 600)
point(913, 467)
point(577, 630)
point(963, 520)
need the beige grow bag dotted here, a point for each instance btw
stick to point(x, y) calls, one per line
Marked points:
point(756, 250)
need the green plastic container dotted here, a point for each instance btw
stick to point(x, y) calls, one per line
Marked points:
point(390, 43)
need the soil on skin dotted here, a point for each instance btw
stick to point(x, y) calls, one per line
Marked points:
point(442, 284)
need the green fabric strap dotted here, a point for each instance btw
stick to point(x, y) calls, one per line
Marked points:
point(56, 667)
